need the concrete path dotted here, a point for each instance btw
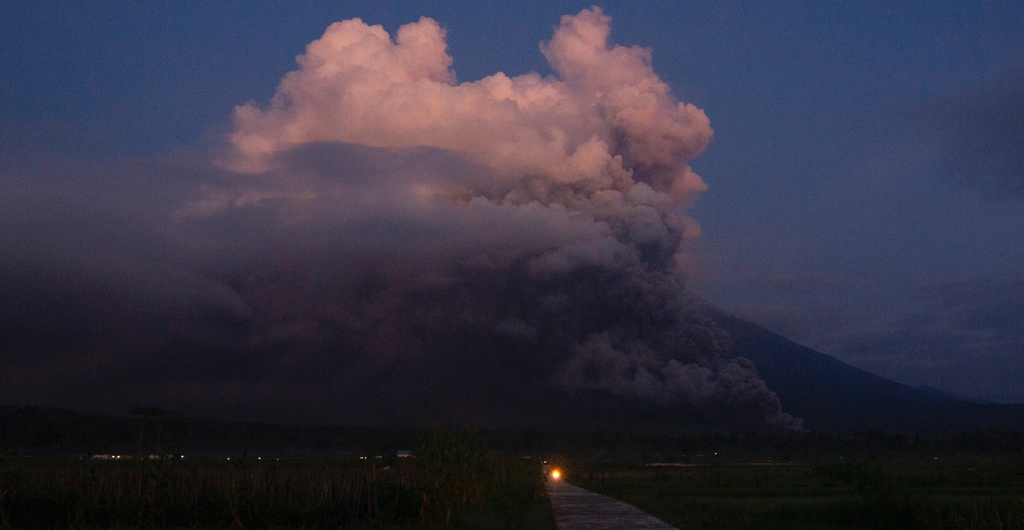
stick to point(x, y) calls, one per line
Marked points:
point(579, 509)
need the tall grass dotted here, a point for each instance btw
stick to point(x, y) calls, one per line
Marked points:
point(462, 484)
point(457, 484)
point(239, 493)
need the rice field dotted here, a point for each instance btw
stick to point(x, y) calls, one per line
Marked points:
point(452, 483)
point(923, 494)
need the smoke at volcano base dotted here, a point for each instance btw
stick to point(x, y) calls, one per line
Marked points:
point(383, 242)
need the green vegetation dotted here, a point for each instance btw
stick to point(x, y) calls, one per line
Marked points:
point(457, 483)
point(898, 494)
point(868, 479)
point(464, 486)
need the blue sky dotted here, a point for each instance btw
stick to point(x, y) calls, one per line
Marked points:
point(866, 175)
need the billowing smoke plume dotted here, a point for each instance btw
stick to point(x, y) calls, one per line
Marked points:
point(606, 122)
point(388, 245)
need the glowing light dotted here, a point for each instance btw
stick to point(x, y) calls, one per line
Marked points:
point(555, 474)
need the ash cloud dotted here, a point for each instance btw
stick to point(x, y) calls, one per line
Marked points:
point(982, 137)
point(383, 245)
point(604, 122)
point(967, 331)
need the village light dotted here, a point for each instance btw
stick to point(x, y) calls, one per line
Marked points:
point(555, 474)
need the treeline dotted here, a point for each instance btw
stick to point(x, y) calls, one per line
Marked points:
point(37, 431)
point(614, 446)
point(43, 431)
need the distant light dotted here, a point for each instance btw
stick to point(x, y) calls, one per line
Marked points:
point(555, 474)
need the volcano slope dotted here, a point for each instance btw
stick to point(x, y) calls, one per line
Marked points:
point(833, 396)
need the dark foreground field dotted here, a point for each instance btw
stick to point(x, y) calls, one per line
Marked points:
point(452, 483)
point(932, 494)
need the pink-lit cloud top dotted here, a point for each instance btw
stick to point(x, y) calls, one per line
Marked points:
point(371, 213)
point(383, 244)
point(605, 121)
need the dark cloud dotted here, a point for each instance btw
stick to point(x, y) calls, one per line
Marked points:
point(328, 297)
point(965, 336)
point(981, 135)
point(797, 283)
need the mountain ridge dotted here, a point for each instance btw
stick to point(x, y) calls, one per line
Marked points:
point(826, 393)
point(830, 395)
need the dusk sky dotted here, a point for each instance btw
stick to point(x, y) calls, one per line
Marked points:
point(864, 178)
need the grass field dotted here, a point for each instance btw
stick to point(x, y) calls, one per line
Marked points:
point(453, 482)
point(919, 494)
